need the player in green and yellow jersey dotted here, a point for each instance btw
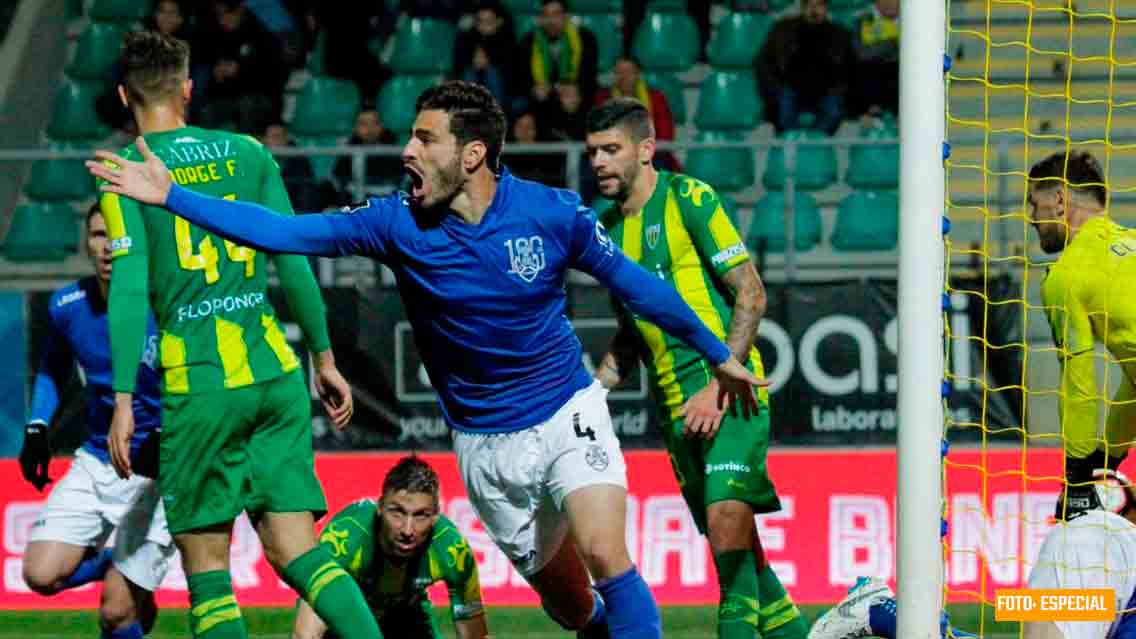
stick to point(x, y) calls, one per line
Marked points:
point(1087, 297)
point(395, 549)
point(236, 412)
point(674, 225)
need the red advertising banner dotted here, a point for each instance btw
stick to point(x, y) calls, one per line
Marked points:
point(837, 522)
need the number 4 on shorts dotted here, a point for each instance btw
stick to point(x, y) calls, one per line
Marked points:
point(587, 432)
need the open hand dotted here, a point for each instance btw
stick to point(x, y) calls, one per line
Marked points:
point(736, 385)
point(147, 181)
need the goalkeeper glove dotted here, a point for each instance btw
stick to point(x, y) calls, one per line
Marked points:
point(35, 455)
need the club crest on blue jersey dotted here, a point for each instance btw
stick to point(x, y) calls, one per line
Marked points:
point(653, 233)
point(526, 256)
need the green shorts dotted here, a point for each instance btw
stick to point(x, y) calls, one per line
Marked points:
point(730, 466)
point(241, 449)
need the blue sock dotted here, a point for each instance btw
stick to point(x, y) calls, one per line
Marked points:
point(92, 568)
point(599, 612)
point(133, 631)
point(631, 609)
point(881, 619)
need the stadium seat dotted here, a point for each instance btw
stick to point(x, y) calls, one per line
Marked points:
point(41, 232)
point(122, 11)
point(609, 37)
point(779, 5)
point(730, 206)
point(583, 7)
point(858, 5)
point(676, 6)
point(73, 112)
point(816, 165)
point(325, 106)
point(726, 170)
point(671, 87)
point(52, 180)
point(396, 102)
point(867, 221)
point(767, 231)
point(845, 17)
point(96, 51)
point(523, 23)
point(738, 39)
point(423, 46)
point(874, 167)
point(666, 41)
point(728, 100)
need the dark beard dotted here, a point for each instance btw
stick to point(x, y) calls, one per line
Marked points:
point(449, 180)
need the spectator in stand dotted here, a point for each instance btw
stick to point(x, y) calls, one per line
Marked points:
point(875, 40)
point(555, 54)
point(484, 53)
point(546, 168)
point(627, 81)
point(241, 67)
point(169, 18)
point(296, 170)
point(806, 65)
point(348, 26)
point(378, 170)
point(566, 119)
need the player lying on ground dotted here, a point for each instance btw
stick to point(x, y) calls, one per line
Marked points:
point(395, 549)
point(90, 501)
point(675, 226)
point(1096, 549)
point(481, 258)
point(1087, 297)
point(236, 411)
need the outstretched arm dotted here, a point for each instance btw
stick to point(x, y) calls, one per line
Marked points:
point(246, 223)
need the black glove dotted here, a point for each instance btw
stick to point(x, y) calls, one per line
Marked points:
point(145, 460)
point(35, 455)
point(1077, 500)
point(1080, 493)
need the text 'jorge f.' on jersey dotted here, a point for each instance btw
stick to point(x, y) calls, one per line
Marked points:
point(397, 591)
point(486, 301)
point(78, 334)
point(1087, 297)
point(217, 328)
point(682, 235)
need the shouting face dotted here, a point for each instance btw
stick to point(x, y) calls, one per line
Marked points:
point(432, 157)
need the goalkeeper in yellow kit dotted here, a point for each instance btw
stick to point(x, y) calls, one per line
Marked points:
point(1087, 296)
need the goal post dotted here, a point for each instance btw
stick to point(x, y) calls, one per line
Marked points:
point(922, 116)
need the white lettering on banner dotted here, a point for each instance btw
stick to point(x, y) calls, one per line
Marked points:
point(785, 356)
point(669, 529)
point(994, 538)
point(960, 341)
point(859, 538)
point(18, 519)
point(422, 427)
point(773, 540)
point(492, 565)
point(844, 420)
point(891, 342)
point(864, 379)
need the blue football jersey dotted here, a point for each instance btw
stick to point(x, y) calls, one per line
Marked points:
point(79, 333)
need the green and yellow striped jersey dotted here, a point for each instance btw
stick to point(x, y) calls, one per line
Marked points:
point(208, 295)
point(685, 237)
point(351, 538)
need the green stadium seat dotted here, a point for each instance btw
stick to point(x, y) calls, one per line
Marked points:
point(123, 11)
point(858, 5)
point(322, 165)
point(315, 58)
point(728, 100)
point(325, 106)
point(96, 51)
point(396, 102)
point(72, 9)
point(52, 180)
point(671, 87)
point(874, 167)
point(816, 165)
point(738, 39)
point(523, 23)
point(845, 17)
point(673, 6)
point(867, 221)
point(423, 46)
point(583, 7)
point(41, 232)
point(609, 37)
point(730, 206)
point(73, 112)
point(666, 41)
point(776, 6)
point(727, 170)
point(767, 232)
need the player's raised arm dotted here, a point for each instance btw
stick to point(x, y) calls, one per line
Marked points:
point(593, 252)
point(249, 224)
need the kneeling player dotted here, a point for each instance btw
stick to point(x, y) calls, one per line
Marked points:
point(395, 549)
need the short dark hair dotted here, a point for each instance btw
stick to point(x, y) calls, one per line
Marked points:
point(474, 114)
point(1079, 169)
point(628, 113)
point(92, 212)
point(412, 475)
point(153, 66)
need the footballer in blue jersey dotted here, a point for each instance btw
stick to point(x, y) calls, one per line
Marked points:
point(480, 258)
point(66, 547)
